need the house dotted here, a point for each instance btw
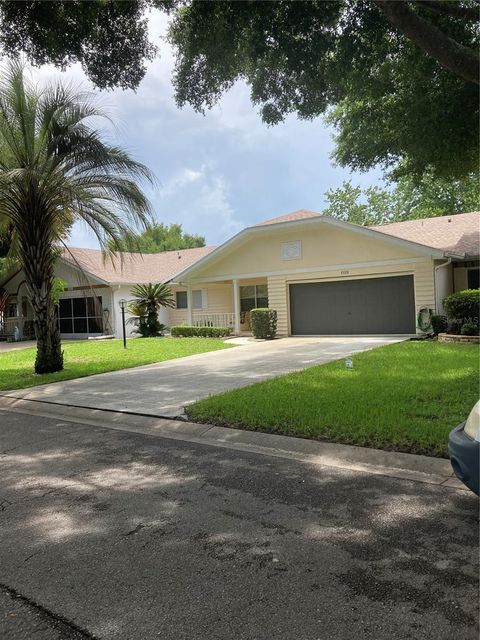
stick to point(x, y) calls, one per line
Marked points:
point(89, 306)
point(323, 276)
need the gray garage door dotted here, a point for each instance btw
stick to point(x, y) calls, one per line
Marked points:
point(350, 307)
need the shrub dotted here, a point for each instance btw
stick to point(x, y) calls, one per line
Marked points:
point(439, 324)
point(463, 306)
point(469, 329)
point(264, 323)
point(184, 331)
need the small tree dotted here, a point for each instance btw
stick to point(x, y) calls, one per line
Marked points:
point(149, 298)
point(55, 169)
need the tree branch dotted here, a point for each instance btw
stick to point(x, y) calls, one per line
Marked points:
point(453, 9)
point(452, 55)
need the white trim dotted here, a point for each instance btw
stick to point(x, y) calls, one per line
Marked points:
point(365, 276)
point(335, 267)
point(372, 233)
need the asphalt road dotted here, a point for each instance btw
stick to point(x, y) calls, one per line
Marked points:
point(114, 535)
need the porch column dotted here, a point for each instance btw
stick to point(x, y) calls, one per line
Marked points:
point(189, 305)
point(236, 307)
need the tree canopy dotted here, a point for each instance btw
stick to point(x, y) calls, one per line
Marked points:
point(397, 78)
point(109, 39)
point(394, 101)
point(161, 237)
point(407, 200)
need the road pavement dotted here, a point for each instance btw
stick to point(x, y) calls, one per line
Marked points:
point(115, 535)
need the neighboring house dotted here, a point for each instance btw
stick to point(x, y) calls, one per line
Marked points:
point(322, 276)
point(89, 306)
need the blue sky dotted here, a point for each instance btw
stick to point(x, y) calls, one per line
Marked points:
point(220, 172)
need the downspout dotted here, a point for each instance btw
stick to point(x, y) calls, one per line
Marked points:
point(439, 266)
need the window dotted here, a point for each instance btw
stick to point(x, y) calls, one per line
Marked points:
point(253, 297)
point(197, 299)
point(80, 315)
point(473, 279)
point(181, 299)
point(12, 310)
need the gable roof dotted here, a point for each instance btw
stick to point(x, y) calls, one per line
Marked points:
point(304, 217)
point(134, 268)
point(301, 214)
point(457, 234)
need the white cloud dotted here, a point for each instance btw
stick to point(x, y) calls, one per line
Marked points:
point(200, 200)
point(219, 172)
point(179, 180)
point(217, 212)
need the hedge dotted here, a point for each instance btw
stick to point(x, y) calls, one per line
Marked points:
point(263, 323)
point(184, 331)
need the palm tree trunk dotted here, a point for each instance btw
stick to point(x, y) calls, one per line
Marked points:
point(49, 353)
point(38, 263)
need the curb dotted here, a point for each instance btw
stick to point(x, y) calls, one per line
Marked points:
point(404, 466)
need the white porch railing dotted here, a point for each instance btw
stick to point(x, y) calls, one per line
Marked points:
point(213, 320)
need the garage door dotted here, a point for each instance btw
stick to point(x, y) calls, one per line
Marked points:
point(350, 307)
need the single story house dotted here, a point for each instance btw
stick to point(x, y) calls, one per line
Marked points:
point(322, 276)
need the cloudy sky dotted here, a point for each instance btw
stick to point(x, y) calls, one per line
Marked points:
point(220, 172)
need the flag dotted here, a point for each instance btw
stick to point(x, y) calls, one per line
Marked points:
point(3, 299)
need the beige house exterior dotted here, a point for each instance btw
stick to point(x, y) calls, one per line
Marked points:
point(321, 275)
point(306, 247)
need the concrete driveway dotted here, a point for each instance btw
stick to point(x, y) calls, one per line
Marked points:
point(113, 535)
point(163, 389)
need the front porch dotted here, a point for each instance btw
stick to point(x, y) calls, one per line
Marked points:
point(16, 320)
point(225, 304)
point(11, 328)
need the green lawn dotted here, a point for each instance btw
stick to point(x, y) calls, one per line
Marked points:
point(403, 397)
point(86, 357)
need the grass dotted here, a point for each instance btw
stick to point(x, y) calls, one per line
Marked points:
point(87, 357)
point(403, 397)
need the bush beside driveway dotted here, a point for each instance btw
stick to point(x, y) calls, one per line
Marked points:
point(403, 397)
point(88, 357)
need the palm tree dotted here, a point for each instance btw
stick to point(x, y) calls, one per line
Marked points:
point(148, 300)
point(55, 169)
